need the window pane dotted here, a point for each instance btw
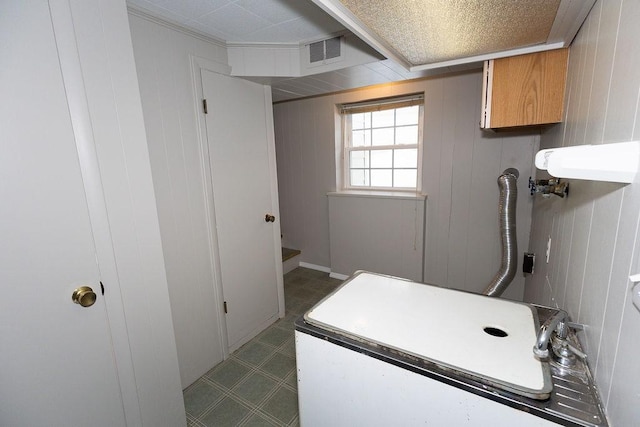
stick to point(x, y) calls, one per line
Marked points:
point(407, 158)
point(382, 136)
point(404, 178)
point(407, 135)
point(361, 121)
point(382, 118)
point(382, 148)
point(361, 138)
point(407, 115)
point(359, 159)
point(359, 177)
point(381, 159)
point(381, 178)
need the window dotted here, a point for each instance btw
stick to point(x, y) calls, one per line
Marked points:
point(382, 143)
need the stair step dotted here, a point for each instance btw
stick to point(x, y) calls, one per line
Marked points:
point(288, 253)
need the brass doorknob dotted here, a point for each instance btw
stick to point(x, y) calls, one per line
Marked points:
point(269, 218)
point(84, 296)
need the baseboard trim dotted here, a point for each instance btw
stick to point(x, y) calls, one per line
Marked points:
point(314, 267)
point(333, 275)
point(338, 276)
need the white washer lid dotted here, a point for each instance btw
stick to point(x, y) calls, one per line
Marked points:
point(442, 325)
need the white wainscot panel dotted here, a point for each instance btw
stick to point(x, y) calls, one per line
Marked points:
point(377, 233)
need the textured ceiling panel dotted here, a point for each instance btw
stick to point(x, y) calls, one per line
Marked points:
point(234, 21)
point(250, 21)
point(430, 31)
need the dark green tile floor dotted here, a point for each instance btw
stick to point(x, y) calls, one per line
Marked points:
point(257, 385)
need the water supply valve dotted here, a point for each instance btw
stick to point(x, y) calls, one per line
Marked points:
point(550, 186)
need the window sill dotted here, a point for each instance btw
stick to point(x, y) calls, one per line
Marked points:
point(378, 194)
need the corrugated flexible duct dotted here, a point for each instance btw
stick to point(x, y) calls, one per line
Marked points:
point(507, 182)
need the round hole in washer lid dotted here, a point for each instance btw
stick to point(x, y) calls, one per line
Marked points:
point(496, 332)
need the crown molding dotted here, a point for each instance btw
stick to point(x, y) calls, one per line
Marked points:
point(257, 45)
point(146, 15)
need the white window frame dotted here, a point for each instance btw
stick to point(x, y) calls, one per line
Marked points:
point(345, 112)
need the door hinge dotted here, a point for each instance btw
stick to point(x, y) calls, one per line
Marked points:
point(204, 106)
point(102, 288)
point(225, 308)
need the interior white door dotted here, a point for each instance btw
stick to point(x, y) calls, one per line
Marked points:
point(56, 358)
point(237, 132)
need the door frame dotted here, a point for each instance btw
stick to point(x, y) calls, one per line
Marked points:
point(198, 64)
point(103, 97)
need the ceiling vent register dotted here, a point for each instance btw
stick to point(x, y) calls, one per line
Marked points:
point(324, 50)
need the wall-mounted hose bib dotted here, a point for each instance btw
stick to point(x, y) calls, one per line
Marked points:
point(507, 182)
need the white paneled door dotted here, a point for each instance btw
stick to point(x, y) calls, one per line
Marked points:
point(240, 142)
point(57, 364)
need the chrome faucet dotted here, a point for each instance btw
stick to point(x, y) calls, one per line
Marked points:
point(554, 323)
point(563, 352)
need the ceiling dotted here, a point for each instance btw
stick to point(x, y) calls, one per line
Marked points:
point(409, 38)
point(249, 21)
point(379, 72)
point(423, 34)
point(433, 31)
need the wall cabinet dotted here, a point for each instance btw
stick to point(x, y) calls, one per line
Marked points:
point(524, 90)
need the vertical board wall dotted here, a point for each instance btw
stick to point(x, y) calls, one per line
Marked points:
point(380, 234)
point(594, 232)
point(163, 63)
point(461, 164)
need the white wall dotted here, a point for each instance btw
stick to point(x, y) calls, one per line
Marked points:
point(461, 165)
point(379, 234)
point(594, 232)
point(162, 56)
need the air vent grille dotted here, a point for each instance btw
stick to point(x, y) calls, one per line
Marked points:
point(332, 48)
point(325, 49)
point(316, 52)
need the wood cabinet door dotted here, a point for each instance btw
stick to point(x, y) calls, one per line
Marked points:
point(527, 89)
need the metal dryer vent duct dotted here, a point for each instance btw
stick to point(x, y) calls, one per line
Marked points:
point(507, 182)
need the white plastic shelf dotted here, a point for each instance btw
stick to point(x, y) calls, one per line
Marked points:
point(616, 162)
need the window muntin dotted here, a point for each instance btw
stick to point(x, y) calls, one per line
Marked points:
point(382, 145)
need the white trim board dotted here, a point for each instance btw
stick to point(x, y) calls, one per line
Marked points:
point(141, 13)
point(332, 274)
point(197, 65)
point(314, 267)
